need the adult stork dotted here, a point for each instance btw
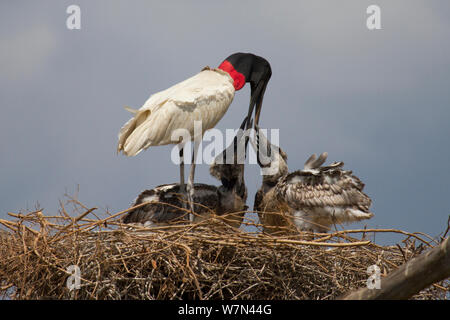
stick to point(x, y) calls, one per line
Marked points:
point(165, 206)
point(312, 199)
point(204, 97)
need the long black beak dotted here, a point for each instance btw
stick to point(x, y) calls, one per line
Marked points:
point(256, 99)
point(242, 137)
point(247, 139)
point(259, 102)
point(264, 144)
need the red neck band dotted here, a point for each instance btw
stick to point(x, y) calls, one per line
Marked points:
point(239, 79)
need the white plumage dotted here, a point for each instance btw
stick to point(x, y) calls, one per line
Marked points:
point(204, 97)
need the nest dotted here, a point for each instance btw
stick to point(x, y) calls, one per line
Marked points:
point(208, 260)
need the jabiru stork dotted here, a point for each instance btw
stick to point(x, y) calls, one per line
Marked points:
point(204, 97)
point(312, 199)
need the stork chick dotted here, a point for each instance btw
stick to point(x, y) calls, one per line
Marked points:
point(312, 199)
point(166, 201)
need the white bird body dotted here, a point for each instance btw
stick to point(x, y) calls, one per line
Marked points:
point(204, 97)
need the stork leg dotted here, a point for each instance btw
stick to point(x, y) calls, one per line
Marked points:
point(181, 153)
point(190, 183)
point(182, 184)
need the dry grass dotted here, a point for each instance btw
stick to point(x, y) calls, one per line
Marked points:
point(204, 261)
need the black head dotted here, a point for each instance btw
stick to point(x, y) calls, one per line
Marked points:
point(228, 166)
point(247, 67)
point(271, 159)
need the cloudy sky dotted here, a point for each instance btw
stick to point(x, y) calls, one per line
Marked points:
point(378, 100)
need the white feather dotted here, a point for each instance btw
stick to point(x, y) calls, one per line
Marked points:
point(152, 198)
point(205, 96)
point(131, 110)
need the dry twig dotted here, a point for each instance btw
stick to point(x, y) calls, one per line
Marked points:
point(208, 260)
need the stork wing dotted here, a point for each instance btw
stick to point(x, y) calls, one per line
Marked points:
point(205, 96)
point(165, 204)
point(326, 187)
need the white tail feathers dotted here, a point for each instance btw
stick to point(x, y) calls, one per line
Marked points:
point(132, 136)
point(133, 111)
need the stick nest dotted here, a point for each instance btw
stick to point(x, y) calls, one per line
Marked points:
point(208, 260)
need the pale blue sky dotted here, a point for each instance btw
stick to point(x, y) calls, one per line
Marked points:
point(377, 100)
